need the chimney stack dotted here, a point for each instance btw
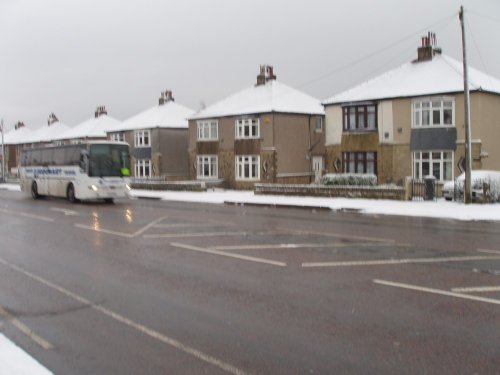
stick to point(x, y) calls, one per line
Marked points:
point(19, 125)
point(428, 48)
point(266, 74)
point(52, 119)
point(166, 96)
point(101, 110)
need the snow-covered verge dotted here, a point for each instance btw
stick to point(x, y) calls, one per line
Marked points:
point(435, 209)
point(15, 361)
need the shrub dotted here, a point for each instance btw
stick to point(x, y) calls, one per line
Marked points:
point(349, 179)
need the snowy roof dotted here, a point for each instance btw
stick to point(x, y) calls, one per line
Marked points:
point(95, 127)
point(17, 136)
point(440, 75)
point(168, 115)
point(270, 97)
point(47, 133)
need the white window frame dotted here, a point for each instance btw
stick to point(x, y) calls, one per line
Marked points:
point(429, 107)
point(118, 137)
point(243, 164)
point(247, 128)
point(431, 157)
point(208, 130)
point(140, 167)
point(203, 161)
point(142, 138)
point(318, 126)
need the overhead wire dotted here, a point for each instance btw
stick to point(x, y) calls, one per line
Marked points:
point(375, 53)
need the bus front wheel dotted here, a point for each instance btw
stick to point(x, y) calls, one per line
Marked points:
point(70, 194)
point(34, 190)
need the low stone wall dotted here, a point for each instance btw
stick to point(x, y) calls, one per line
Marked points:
point(369, 192)
point(161, 184)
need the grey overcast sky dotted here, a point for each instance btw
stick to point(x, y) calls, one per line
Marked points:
point(69, 56)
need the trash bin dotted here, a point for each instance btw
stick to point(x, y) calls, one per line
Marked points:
point(430, 188)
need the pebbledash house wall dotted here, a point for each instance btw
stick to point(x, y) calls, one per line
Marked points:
point(286, 147)
point(392, 140)
point(167, 152)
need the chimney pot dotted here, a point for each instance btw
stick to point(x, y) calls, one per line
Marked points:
point(428, 48)
point(266, 74)
point(165, 97)
point(52, 119)
point(101, 110)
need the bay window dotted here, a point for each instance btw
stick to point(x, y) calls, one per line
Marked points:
point(433, 163)
point(206, 166)
point(359, 162)
point(248, 167)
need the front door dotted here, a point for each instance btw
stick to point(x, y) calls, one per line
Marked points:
point(317, 165)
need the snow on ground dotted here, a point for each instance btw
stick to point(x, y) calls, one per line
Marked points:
point(435, 209)
point(15, 361)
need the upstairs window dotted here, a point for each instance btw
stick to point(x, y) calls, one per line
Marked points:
point(119, 137)
point(319, 124)
point(142, 138)
point(433, 112)
point(247, 128)
point(208, 130)
point(360, 117)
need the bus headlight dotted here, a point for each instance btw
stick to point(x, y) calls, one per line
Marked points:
point(128, 187)
point(93, 187)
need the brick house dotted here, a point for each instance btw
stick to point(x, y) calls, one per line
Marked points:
point(268, 132)
point(410, 121)
point(158, 139)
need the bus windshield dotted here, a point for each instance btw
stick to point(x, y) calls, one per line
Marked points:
point(109, 160)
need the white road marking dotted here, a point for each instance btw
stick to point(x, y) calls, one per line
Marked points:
point(30, 216)
point(25, 329)
point(230, 255)
point(488, 251)
point(195, 234)
point(130, 323)
point(301, 245)
point(339, 235)
point(183, 225)
point(436, 291)
point(206, 234)
point(477, 289)
point(397, 261)
point(121, 234)
point(64, 211)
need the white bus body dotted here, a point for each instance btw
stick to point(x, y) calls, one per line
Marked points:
point(87, 171)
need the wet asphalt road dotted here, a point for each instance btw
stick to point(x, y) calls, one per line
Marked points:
point(153, 287)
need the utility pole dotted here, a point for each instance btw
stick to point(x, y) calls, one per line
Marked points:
point(468, 151)
point(3, 153)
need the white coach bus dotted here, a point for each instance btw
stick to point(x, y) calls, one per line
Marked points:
point(86, 171)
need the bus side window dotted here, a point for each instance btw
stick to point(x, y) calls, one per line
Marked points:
point(84, 158)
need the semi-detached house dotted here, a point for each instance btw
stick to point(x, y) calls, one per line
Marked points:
point(410, 121)
point(268, 132)
point(158, 139)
